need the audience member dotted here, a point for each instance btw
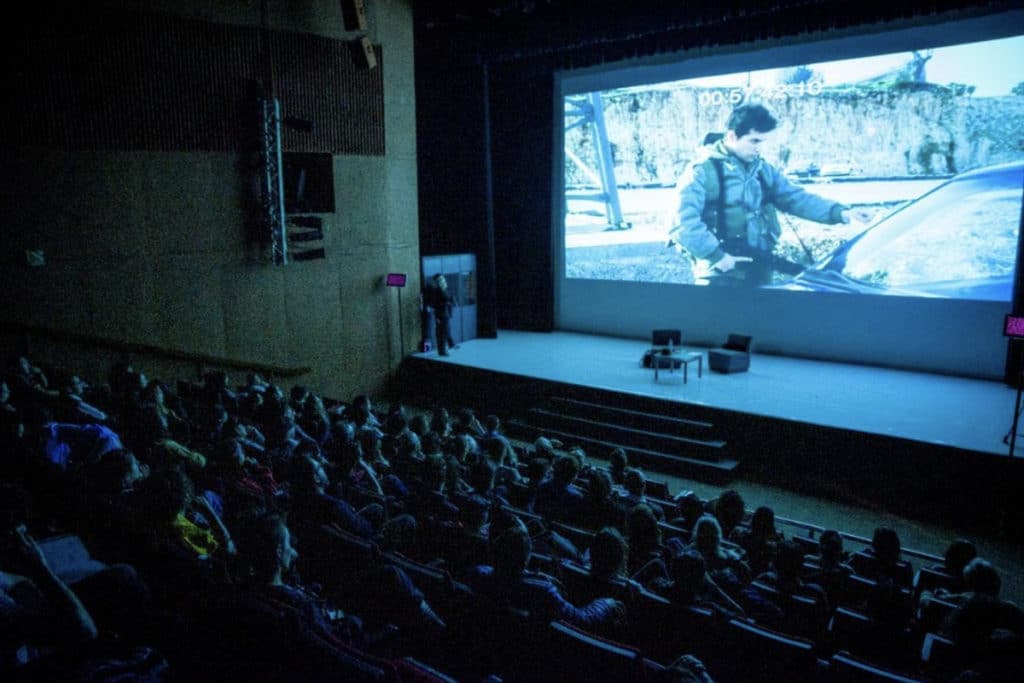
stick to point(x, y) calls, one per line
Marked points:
point(730, 511)
point(760, 541)
point(784, 576)
point(618, 461)
point(881, 560)
point(689, 508)
point(690, 586)
point(987, 630)
point(559, 497)
point(829, 568)
point(508, 583)
point(600, 507)
point(648, 554)
point(635, 485)
point(312, 506)
point(724, 565)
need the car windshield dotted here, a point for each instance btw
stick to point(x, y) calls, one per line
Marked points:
point(965, 230)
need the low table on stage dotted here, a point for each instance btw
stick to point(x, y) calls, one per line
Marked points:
point(678, 360)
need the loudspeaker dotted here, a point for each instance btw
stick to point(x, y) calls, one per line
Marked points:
point(308, 255)
point(353, 12)
point(362, 52)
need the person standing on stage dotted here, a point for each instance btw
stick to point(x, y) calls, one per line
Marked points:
point(442, 302)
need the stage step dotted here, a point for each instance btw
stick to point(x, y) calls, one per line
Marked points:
point(719, 471)
point(707, 454)
point(710, 450)
point(635, 419)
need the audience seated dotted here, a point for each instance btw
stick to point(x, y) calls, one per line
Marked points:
point(691, 586)
point(508, 583)
point(649, 555)
point(829, 568)
point(688, 509)
point(618, 461)
point(390, 508)
point(36, 607)
point(958, 555)
point(70, 446)
point(760, 541)
point(881, 560)
point(724, 565)
point(559, 497)
point(635, 486)
point(312, 506)
point(729, 510)
point(784, 578)
point(609, 553)
point(600, 507)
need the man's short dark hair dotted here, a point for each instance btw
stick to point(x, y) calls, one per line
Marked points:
point(608, 553)
point(748, 117)
point(618, 458)
point(565, 469)
point(634, 481)
point(981, 577)
point(511, 551)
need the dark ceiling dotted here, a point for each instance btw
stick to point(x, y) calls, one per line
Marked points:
point(509, 30)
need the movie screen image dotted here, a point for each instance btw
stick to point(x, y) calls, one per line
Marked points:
point(896, 174)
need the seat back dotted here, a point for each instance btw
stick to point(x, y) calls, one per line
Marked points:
point(581, 538)
point(68, 557)
point(866, 564)
point(941, 660)
point(667, 338)
point(570, 653)
point(864, 636)
point(412, 669)
point(658, 489)
point(848, 669)
point(664, 630)
point(809, 546)
point(738, 342)
point(929, 579)
point(767, 655)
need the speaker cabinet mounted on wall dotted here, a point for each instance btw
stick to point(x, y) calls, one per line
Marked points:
point(363, 54)
point(354, 14)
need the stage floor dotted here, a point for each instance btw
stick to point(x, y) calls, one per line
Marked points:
point(964, 413)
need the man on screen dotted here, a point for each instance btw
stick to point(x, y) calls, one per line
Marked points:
point(724, 210)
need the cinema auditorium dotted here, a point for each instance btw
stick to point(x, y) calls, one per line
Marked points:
point(512, 341)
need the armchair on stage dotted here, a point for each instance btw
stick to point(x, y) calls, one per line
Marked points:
point(734, 356)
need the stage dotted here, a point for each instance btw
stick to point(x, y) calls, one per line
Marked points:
point(969, 414)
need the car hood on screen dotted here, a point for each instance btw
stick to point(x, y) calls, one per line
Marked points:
point(983, 289)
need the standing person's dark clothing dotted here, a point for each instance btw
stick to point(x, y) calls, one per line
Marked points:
point(442, 302)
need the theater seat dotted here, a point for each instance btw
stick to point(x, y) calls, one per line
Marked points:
point(844, 668)
point(570, 653)
point(752, 654)
point(734, 356)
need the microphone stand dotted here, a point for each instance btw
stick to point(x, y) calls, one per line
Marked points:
point(1020, 390)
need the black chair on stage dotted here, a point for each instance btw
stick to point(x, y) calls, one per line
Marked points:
point(666, 354)
point(668, 340)
point(663, 354)
point(734, 356)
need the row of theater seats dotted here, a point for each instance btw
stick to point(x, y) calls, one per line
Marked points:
point(484, 642)
point(488, 641)
point(849, 646)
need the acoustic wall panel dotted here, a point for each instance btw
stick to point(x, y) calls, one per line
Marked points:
point(106, 80)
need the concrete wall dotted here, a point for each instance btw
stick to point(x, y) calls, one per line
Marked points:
point(151, 247)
